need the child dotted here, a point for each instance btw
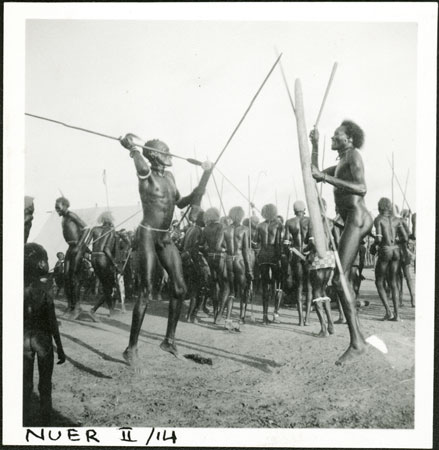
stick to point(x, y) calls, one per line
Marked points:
point(39, 326)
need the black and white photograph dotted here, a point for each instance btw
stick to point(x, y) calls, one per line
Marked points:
point(220, 224)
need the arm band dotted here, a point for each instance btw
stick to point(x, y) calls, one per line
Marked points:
point(144, 177)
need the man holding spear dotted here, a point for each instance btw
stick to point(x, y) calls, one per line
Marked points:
point(159, 196)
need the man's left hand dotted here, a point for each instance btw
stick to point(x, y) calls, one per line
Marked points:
point(316, 174)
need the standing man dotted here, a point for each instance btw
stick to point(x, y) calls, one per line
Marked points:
point(388, 229)
point(237, 261)
point(269, 236)
point(195, 268)
point(159, 196)
point(74, 231)
point(213, 243)
point(102, 238)
point(296, 230)
point(349, 183)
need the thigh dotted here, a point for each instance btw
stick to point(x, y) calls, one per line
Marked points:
point(348, 246)
point(147, 258)
point(169, 258)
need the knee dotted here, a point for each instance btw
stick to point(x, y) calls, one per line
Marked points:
point(180, 289)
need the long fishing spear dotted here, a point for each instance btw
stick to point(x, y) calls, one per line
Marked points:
point(397, 182)
point(206, 175)
point(189, 160)
point(405, 189)
point(323, 161)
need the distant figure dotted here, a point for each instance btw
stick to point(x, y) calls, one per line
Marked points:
point(74, 232)
point(387, 229)
point(102, 239)
point(269, 236)
point(58, 272)
point(214, 246)
point(238, 262)
point(297, 229)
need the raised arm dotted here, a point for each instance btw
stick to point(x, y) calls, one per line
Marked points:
point(314, 137)
point(142, 167)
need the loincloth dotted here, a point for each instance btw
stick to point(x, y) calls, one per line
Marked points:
point(316, 263)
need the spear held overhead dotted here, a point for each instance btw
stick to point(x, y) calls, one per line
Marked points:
point(189, 160)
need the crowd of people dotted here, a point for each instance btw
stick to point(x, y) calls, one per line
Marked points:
point(211, 261)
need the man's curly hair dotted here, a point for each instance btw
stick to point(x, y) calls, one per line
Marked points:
point(63, 200)
point(354, 132)
point(106, 217)
point(236, 214)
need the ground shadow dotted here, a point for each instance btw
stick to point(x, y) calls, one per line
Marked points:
point(253, 361)
point(92, 349)
point(34, 419)
point(84, 368)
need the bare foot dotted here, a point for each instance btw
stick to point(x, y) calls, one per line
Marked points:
point(265, 320)
point(340, 320)
point(171, 348)
point(130, 356)
point(276, 318)
point(388, 317)
point(331, 328)
point(351, 354)
point(206, 311)
point(305, 324)
point(300, 324)
point(322, 334)
point(395, 319)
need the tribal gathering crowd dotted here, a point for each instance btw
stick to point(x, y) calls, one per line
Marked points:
point(214, 260)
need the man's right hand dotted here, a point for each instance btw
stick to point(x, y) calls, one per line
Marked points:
point(128, 141)
point(61, 356)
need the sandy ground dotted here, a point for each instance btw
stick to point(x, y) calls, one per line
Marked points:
point(279, 375)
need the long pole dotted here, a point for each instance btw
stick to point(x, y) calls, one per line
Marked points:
point(189, 160)
point(247, 110)
point(331, 78)
point(219, 195)
point(323, 163)
point(393, 177)
point(398, 183)
point(344, 283)
point(405, 189)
